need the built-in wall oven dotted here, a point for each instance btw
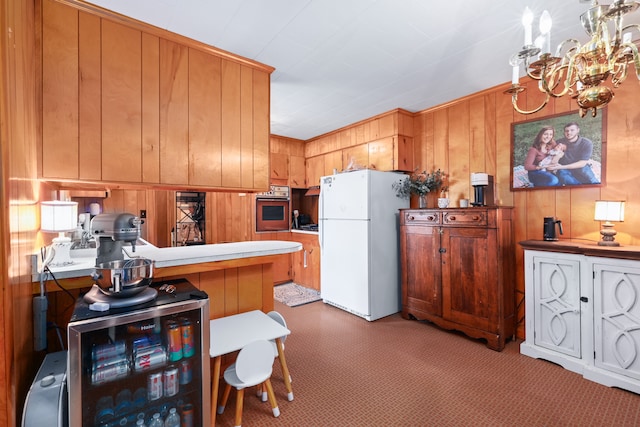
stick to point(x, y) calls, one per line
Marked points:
point(272, 209)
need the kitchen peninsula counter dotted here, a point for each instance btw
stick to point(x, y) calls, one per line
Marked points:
point(237, 276)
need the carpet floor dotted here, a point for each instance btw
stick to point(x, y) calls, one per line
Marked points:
point(395, 372)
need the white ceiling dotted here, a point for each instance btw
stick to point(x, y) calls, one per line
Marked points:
point(340, 61)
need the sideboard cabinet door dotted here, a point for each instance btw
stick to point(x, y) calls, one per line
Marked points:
point(617, 317)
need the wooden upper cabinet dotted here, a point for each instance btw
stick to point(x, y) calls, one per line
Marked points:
point(297, 172)
point(121, 103)
point(127, 102)
point(279, 166)
point(60, 123)
point(315, 170)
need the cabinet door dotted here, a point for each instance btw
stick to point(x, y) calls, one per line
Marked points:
point(617, 317)
point(420, 258)
point(556, 304)
point(315, 170)
point(279, 166)
point(470, 277)
point(297, 171)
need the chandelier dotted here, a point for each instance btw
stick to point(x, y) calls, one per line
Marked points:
point(578, 70)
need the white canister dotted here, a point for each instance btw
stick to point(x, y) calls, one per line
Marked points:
point(443, 202)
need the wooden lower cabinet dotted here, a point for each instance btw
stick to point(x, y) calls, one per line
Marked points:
point(306, 263)
point(458, 270)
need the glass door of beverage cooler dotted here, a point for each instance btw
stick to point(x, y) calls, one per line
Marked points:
point(133, 365)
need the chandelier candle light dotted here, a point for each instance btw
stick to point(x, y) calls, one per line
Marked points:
point(574, 69)
point(608, 211)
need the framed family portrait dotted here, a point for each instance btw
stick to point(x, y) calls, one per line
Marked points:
point(559, 151)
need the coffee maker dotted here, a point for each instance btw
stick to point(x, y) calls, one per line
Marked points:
point(482, 184)
point(549, 228)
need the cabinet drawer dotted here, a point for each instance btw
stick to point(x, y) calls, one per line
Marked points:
point(421, 217)
point(464, 217)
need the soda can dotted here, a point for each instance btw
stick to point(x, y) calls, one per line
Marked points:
point(110, 372)
point(171, 381)
point(106, 351)
point(149, 359)
point(174, 341)
point(186, 372)
point(115, 360)
point(188, 345)
point(187, 416)
point(154, 386)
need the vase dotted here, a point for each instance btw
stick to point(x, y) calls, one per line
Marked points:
point(422, 201)
point(443, 202)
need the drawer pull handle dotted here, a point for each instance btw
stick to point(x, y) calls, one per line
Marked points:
point(452, 218)
point(431, 217)
point(476, 218)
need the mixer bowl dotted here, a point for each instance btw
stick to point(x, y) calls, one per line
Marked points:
point(124, 278)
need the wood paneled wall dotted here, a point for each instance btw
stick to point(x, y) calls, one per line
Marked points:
point(473, 134)
point(20, 191)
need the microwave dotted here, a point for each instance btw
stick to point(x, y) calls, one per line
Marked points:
point(272, 214)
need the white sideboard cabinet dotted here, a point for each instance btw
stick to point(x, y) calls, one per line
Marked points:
point(582, 307)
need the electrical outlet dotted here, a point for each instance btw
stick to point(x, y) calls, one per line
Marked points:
point(143, 213)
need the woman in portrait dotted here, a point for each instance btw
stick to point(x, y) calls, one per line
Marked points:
point(543, 149)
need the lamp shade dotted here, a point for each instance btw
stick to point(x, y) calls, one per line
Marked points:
point(58, 216)
point(609, 210)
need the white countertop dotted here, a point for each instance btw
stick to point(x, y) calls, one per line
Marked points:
point(183, 255)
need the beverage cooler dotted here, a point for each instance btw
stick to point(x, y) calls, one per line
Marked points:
point(129, 364)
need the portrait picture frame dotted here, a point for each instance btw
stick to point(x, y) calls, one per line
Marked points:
point(530, 152)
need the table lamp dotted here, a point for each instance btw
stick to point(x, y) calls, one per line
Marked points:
point(58, 217)
point(607, 211)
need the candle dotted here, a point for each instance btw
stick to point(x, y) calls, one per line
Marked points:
point(515, 75)
point(527, 20)
point(545, 30)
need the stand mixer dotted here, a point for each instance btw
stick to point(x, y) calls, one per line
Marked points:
point(119, 282)
point(111, 230)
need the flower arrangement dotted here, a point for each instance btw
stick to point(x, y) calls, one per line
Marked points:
point(419, 183)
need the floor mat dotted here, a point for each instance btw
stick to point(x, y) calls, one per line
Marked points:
point(294, 295)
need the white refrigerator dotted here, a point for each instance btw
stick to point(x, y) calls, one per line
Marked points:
point(358, 234)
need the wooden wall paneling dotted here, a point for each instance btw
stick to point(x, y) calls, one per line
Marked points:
point(231, 112)
point(250, 295)
point(502, 118)
point(150, 108)
point(231, 298)
point(121, 103)
point(247, 162)
point(441, 141)
point(261, 128)
point(205, 137)
point(424, 145)
point(460, 142)
point(174, 113)
point(495, 156)
point(89, 91)
point(212, 282)
point(161, 218)
point(59, 91)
